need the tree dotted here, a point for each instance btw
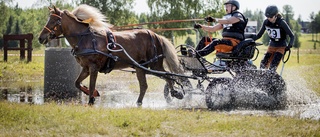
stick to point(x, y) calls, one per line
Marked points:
point(4, 16)
point(17, 28)
point(317, 25)
point(288, 14)
point(9, 31)
point(312, 24)
point(183, 9)
point(143, 18)
point(297, 34)
point(9, 25)
point(117, 11)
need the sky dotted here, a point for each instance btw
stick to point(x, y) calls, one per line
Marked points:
point(300, 7)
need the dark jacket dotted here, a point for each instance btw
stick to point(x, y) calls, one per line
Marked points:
point(235, 30)
point(277, 32)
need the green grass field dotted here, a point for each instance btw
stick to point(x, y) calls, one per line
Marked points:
point(76, 120)
point(72, 119)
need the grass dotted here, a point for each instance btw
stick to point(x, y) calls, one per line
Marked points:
point(51, 119)
point(20, 73)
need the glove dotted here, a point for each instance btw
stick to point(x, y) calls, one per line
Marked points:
point(210, 19)
point(288, 47)
point(197, 26)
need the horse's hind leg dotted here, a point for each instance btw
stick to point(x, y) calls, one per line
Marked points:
point(141, 75)
point(174, 93)
point(171, 82)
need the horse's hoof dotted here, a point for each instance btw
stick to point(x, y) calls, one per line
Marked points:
point(139, 104)
point(91, 101)
point(176, 94)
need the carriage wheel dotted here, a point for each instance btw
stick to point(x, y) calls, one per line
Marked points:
point(263, 89)
point(218, 93)
point(187, 86)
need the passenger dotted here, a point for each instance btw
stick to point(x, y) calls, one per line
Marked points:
point(232, 24)
point(277, 29)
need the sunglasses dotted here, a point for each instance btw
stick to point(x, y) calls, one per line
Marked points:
point(270, 17)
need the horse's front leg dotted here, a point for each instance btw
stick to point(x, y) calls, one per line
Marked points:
point(141, 75)
point(93, 72)
point(83, 75)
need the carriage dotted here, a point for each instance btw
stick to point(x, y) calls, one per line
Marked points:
point(232, 76)
point(98, 49)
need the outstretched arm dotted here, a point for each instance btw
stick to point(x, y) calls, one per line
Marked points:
point(212, 28)
point(220, 23)
point(261, 31)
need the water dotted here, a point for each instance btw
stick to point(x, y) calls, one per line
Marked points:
point(303, 103)
point(23, 95)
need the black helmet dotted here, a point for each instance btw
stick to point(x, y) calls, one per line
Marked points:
point(271, 10)
point(233, 2)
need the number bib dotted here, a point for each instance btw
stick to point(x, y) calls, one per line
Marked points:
point(274, 33)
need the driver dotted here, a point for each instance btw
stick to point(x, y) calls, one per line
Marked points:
point(277, 29)
point(232, 25)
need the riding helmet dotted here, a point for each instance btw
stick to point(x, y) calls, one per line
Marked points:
point(233, 2)
point(271, 10)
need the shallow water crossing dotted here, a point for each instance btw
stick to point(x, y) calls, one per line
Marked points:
point(302, 102)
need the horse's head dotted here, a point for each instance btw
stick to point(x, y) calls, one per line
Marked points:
point(53, 27)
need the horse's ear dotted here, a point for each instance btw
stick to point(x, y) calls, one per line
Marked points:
point(49, 8)
point(55, 9)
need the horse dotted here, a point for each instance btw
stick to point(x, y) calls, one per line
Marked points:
point(99, 49)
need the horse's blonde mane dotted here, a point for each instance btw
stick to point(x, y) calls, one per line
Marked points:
point(92, 16)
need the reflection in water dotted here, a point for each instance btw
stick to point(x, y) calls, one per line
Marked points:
point(13, 97)
point(29, 96)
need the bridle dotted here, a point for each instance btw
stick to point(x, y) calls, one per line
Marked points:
point(52, 31)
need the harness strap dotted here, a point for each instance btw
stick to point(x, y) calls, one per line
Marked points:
point(152, 41)
point(59, 16)
point(47, 29)
point(155, 59)
point(111, 40)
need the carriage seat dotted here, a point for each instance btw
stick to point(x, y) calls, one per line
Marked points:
point(249, 35)
point(244, 50)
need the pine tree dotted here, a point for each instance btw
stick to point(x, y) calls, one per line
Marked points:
point(17, 28)
point(9, 25)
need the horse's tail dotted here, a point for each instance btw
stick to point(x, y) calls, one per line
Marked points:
point(171, 57)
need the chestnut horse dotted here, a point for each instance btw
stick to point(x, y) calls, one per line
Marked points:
point(98, 49)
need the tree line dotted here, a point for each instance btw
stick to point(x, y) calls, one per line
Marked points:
point(15, 20)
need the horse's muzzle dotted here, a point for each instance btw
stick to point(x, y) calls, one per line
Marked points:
point(43, 40)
